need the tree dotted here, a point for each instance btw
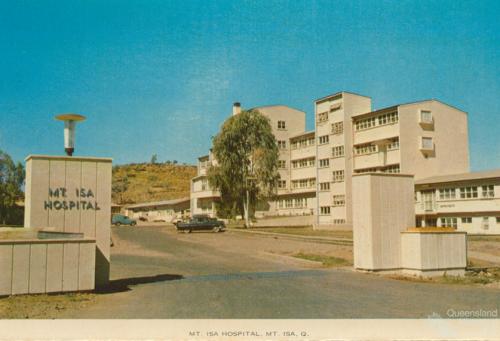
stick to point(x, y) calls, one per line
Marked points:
point(247, 163)
point(154, 159)
point(11, 183)
point(120, 186)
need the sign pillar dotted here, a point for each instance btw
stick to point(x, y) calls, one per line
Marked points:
point(72, 194)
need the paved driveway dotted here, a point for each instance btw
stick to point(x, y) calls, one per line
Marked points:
point(158, 273)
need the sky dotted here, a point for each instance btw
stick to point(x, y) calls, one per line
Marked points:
point(160, 77)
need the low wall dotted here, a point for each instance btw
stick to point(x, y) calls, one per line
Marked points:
point(35, 266)
point(433, 253)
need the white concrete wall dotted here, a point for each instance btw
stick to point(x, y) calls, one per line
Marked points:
point(45, 266)
point(383, 206)
point(49, 173)
point(433, 251)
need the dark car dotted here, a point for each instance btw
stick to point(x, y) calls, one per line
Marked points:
point(120, 219)
point(201, 222)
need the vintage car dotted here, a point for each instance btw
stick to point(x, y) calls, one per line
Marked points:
point(120, 219)
point(200, 222)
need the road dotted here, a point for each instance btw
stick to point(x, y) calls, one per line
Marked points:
point(158, 273)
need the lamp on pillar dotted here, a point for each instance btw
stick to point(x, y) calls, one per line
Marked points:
point(69, 130)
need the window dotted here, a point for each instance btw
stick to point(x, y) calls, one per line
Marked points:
point(338, 151)
point(446, 193)
point(300, 202)
point(323, 139)
point(365, 149)
point(338, 221)
point(388, 118)
point(309, 162)
point(337, 128)
point(393, 144)
point(322, 117)
point(468, 192)
point(498, 220)
point(488, 191)
point(338, 200)
point(289, 203)
point(324, 163)
point(324, 210)
point(281, 183)
point(448, 222)
point(486, 223)
point(338, 176)
point(311, 140)
point(281, 144)
point(281, 125)
point(427, 143)
point(335, 107)
point(304, 183)
point(366, 170)
point(204, 185)
point(324, 186)
point(365, 123)
point(391, 169)
point(425, 116)
point(466, 220)
point(282, 164)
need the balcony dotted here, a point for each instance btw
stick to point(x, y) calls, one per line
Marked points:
point(376, 133)
point(378, 159)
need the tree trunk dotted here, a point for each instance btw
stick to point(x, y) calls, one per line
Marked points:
point(246, 208)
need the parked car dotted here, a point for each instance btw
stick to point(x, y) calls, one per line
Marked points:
point(120, 219)
point(201, 222)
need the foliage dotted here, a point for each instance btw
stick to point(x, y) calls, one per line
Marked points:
point(247, 159)
point(11, 183)
point(154, 159)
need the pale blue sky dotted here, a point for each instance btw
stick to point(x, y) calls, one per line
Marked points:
point(161, 76)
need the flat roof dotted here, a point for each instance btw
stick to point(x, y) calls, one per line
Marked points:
point(160, 203)
point(339, 94)
point(310, 132)
point(488, 174)
point(393, 107)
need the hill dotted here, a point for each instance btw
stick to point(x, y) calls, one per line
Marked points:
point(146, 182)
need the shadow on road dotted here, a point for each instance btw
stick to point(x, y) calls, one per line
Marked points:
point(123, 284)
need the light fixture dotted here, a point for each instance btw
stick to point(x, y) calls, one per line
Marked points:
point(69, 130)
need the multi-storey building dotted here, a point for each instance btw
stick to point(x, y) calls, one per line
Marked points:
point(469, 202)
point(297, 183)
point(334, 152)
point(426, 139)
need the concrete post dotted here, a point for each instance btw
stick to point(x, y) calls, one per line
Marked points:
point(383, 207)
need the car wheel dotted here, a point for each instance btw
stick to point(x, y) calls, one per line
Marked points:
point(216, 229)
point(118, 224)
point(133, 223)
point(189, 231)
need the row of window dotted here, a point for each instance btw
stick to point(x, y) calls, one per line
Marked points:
point(307, 162)
point(374, 121)
point(364, 149)
point(302, 143)
point(387, 169)
point(468, 192)
point(292, 203)
point(304, 183)
point(453, 222)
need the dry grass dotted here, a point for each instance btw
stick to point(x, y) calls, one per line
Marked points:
point(152, 182)
point(306, 231)
point(42, 306)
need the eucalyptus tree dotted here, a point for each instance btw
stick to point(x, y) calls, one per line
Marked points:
point(11, 187)
point(246, 167)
